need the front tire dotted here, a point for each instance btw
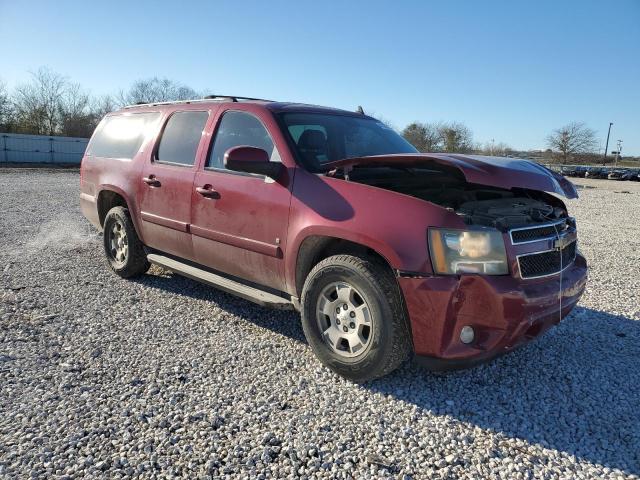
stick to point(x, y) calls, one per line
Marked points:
point(353, 317)
point(123, 249)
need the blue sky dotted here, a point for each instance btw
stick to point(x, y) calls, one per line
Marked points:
point(510, 70)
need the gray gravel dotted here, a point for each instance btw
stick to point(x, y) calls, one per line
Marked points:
point(163, 377)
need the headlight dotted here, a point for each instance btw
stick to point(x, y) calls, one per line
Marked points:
point(467, 251)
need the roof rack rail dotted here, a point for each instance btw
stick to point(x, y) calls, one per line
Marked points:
point(197, 100)
point(234, 98)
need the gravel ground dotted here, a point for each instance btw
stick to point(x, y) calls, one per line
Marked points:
point(163, 377)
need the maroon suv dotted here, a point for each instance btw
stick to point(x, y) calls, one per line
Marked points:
point(383, 250)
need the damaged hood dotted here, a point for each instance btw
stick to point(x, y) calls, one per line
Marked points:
point(491, 171)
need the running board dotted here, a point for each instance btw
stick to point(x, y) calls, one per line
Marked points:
point(252, 294)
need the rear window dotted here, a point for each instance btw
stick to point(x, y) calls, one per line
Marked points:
point(181, 137)
point(120, 136)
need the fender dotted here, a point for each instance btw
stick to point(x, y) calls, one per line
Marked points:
point(131, 204)
point(392, 224)
point(388, 254)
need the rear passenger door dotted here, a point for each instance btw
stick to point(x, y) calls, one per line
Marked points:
point(241, 228)
point(167, 181)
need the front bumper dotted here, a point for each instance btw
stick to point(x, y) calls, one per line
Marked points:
point(505, 313)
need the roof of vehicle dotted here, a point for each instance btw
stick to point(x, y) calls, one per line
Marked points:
point(276, 107)
point(283, 107)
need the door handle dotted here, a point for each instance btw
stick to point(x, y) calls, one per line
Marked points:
point(151, 180)
point(207, 192)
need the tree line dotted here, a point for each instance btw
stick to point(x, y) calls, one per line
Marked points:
point(51, 104)
point(572, 141)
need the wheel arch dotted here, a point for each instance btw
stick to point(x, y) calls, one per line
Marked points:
point(315, 248)
point(111, 196)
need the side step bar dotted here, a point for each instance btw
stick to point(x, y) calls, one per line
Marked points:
point(252, 294)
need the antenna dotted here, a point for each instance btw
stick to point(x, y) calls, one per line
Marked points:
point(360, 110)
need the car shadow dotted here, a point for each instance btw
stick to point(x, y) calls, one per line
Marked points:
point(574, 390)
point(282, 322)
point(316, 194)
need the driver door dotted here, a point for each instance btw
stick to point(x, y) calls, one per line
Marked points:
point(240, 226)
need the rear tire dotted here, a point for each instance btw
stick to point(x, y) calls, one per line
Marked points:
point(353, 317)
point(123, 249)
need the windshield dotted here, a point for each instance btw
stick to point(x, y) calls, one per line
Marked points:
point(320, 138)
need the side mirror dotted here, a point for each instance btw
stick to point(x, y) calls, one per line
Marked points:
point(251, 160)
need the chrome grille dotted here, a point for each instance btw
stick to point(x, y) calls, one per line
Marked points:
point(539, 232)
point(542, 264)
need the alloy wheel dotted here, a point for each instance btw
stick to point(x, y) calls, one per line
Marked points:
point(118, 243)
point(344, 319)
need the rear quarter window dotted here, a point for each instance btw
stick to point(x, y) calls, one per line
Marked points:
point(121, 136)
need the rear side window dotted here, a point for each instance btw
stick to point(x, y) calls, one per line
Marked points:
point(240, 129)
point(181, 137)
point(120, 136)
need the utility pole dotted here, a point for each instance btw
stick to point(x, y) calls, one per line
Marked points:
point(606, 147)
point(618, 151)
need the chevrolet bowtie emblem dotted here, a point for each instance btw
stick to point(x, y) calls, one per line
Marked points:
point(563, 241)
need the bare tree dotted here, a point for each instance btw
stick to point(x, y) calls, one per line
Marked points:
point(455, 137)
point(499, 149)
point(155, 90)
point(424, 136)
point(76, 117)
point(51, 105)
point(37, 103)
point(6, 109)
point(103, 105)
point(572, 139)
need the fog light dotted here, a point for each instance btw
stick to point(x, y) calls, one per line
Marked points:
point(467, 334)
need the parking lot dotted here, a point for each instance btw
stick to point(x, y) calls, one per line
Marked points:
point(164, 377)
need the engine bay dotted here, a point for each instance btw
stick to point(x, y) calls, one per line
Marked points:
point(508, 212)
point(476, 204)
